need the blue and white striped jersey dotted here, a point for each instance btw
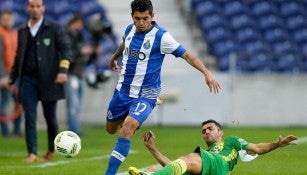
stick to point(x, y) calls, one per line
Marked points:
point(142, 60)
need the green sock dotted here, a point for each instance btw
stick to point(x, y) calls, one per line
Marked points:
point(176, 167)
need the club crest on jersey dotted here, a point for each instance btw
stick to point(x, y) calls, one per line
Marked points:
point(146, 45)
point(109, 115)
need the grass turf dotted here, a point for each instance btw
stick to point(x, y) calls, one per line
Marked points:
point(173, 141)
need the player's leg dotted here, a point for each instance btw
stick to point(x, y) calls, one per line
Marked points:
point(117, 111)
point(177, 167)
point(138, 113)
point(113, 127)
point(191, 163)
point(122, 146)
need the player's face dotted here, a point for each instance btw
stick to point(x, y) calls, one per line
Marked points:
point(35, 9)
point(142, 20)
point(211, 133)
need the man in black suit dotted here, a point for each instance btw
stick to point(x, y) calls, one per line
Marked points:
point(41, 65)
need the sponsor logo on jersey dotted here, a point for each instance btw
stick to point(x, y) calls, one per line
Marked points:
point(134, 54)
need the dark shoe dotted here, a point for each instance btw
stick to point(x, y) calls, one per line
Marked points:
point(31, 158)
point(48, 156)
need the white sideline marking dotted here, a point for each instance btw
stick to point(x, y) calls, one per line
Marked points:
point(71, 160)
point(301, 140)
point(61, 162)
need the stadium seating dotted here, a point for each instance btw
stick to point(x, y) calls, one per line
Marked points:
point(270, 21)
point(264, 36)
point(212, 21)
point(241, 21)
point(261, 8)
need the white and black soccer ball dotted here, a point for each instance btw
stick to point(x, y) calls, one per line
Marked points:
point(67, 144)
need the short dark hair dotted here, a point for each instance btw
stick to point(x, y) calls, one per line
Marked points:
point(212, 121)
point(75, 18)
point(29, 2)
point(141, 6)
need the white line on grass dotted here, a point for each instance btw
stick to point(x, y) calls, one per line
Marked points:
point(61, 162)
point(71, 160)
point(301, 140)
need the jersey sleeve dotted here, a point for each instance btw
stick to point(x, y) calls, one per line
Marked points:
point(238, 143)
point(170, 46)
point(127, 30)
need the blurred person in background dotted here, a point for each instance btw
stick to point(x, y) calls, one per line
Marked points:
point(9, 37)
point(41, 66)
point(142, 50)
point(74, 84)
point(103, 42)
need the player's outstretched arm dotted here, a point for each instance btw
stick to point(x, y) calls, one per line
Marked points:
point(262, 148)
point(148, 139)
point(212, 83)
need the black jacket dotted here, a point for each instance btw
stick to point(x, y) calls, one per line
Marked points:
point(78, 60)
point(52, 46)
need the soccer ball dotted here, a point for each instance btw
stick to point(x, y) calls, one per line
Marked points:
point(67, 144)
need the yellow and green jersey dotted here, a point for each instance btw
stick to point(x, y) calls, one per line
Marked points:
point(221, 157)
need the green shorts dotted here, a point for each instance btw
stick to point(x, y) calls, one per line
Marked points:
point(212, 164)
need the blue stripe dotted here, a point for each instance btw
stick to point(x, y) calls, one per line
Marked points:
point(135, 46)
point(152, 76)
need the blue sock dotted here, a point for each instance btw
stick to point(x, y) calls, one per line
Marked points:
point(118, 155)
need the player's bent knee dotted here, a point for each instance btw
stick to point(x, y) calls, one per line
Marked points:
point(193, 161)
point(111, 129)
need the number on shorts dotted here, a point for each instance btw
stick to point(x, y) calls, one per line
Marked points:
point(140, 107)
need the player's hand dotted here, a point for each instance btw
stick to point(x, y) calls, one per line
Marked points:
point(212, 83)
point(61, 78)
point(113, 65)
point(285, 141)
point(149, 139)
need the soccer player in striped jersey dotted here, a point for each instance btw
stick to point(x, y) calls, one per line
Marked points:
point(144, 46)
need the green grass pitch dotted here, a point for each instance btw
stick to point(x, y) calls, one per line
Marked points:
point(173, 141)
